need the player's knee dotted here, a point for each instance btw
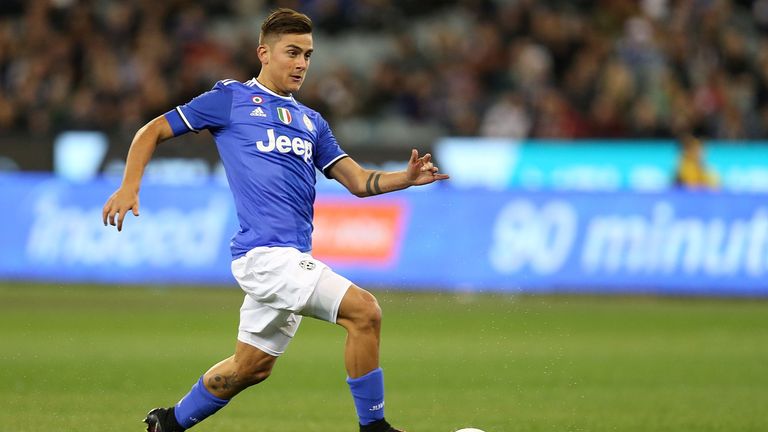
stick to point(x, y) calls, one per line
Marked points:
point(252, 374)
point(360, 312)
point(369, 316)
point(258, 376)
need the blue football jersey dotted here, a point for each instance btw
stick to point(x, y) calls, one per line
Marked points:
point(270, 146)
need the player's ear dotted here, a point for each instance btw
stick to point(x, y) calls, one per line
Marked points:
point(263, 53)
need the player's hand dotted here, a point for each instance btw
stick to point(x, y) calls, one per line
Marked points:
point(421, 170)
point(118, 205)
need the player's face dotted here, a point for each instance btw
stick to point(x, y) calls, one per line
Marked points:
point(286, 60)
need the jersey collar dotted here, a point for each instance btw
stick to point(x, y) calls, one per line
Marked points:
point(256, 82)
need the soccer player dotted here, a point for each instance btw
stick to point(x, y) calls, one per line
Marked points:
point(270, 146)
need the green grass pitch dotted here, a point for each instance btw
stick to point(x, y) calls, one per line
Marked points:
point(76, 358)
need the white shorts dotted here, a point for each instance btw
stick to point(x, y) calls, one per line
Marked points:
point(281, 285)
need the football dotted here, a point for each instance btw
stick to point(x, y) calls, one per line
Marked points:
point(469, 430)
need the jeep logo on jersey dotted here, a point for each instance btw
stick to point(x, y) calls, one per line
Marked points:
point(284, 115)
point(284, 144)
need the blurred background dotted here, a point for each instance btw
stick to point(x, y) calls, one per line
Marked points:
point(593, 145)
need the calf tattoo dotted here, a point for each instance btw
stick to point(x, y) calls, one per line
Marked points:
point(220, 383)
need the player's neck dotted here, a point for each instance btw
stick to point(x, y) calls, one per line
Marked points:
point(265, 82)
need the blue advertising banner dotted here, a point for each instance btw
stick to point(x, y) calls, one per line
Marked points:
point(51, 229)
point(595, 165)
point(436, 237)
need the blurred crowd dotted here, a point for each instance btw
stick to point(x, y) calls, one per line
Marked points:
point(514, 68)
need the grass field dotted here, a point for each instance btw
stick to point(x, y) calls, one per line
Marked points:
point(96, 359)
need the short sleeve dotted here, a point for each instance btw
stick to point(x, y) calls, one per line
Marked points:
point(327, 150)
point(210, 110)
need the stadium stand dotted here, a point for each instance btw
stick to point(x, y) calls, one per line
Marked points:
point(387, 71)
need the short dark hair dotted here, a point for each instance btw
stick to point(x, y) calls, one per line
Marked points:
point(284, 21)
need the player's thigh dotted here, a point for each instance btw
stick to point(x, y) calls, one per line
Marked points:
point(282, 278)
point(266, 329)
point(327, 296)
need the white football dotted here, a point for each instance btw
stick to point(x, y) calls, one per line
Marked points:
point(469, 430)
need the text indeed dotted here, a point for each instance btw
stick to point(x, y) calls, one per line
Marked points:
point(285, 144)
point(167, 238)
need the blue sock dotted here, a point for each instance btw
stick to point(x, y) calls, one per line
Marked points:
point(197, 405)
point(368, 393)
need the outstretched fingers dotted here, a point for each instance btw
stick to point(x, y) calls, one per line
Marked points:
point(414, 157)
point(120, 218)
point(117, 207)
point(109, 213)
point(105, 213)
point(422, 169)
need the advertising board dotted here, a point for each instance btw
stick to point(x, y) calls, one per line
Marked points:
point(437, 237)
point(594, 165)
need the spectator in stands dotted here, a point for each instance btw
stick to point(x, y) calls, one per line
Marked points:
point(692, 172)
point(507, 118)
point(578, 69)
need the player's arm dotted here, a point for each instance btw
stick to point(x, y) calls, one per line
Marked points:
point(143, 146)
point(211, 109)
point(364, 182)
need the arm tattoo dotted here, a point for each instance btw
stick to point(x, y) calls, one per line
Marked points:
point(368, 184)
point(376, 187)
point(373, 189)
